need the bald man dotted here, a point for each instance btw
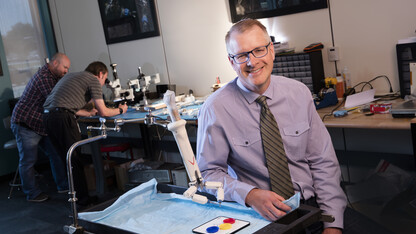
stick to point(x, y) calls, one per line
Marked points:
point(30, 133)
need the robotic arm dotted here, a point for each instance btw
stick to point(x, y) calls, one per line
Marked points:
point(177, 127)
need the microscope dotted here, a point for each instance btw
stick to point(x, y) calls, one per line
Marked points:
point(144, 84)
point(119, 94)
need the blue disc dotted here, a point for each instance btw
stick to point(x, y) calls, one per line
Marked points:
point(213, 229)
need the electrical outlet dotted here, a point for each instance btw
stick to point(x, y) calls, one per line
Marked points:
point(333, 54)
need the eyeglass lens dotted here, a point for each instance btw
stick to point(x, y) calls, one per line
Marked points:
point(257, 52)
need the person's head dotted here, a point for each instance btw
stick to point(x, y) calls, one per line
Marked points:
point(99, 70)
point(59, 64)
point(251, 54)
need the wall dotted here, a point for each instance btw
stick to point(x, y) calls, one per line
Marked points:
point(367, 33)
point(190, 51)
point(79, 32)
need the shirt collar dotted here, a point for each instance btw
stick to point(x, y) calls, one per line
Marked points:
point(252, 96)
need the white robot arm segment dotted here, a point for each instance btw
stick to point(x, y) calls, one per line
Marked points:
point(177, 127)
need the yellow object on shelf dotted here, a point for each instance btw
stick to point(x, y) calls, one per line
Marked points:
point(330, 82)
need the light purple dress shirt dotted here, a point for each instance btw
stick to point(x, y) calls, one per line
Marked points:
point(229, 147)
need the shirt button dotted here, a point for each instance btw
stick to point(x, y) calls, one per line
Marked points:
point(246, 142)
point(297, 132)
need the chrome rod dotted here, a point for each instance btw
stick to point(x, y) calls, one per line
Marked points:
point(72, 197)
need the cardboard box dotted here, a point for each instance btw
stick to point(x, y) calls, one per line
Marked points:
point(180, 178)
point(90, 176)
point(89, 172)
point(121, 172)
point(162, 173)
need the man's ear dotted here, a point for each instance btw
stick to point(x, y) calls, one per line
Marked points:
point(231, 60)
point(272, 50)
point(54, 63)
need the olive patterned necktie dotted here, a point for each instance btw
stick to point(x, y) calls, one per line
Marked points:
point(280, 180)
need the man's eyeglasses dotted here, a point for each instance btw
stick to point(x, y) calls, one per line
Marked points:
point(258, 52)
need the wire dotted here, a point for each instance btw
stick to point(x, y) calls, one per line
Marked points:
point(388, 80)
point(163, 43)
point(365, 83)
point(332, 111)
point(375, 78)
point(332, 33)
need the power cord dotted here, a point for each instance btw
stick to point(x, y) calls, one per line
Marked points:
point(365, 83)
point(332, 111)
point(369, 83)
point(388, 80)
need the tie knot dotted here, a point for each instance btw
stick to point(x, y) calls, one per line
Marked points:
point(261, 100)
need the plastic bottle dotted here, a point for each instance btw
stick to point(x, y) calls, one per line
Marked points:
point(340, 87)
point(347, 78)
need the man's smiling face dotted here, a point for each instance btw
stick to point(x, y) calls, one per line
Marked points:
point(255, 73)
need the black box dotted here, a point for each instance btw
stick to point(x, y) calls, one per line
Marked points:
point(307, 68)
point(161, 88)
point(406, 53)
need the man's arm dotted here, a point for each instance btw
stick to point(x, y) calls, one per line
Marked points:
point(212, 154)
point(267, 203)
point(325, 171)
point(330, 230)
point(86, 113)
point(104, 111)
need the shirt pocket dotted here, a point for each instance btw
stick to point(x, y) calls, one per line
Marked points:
point(246, 141)
point(295, 138)
point(245, 151)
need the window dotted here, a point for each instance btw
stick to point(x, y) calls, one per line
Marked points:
point(23, 40)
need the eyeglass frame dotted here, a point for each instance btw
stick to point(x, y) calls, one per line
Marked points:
point(250, 52)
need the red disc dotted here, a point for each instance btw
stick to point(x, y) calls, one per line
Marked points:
point(229, 220)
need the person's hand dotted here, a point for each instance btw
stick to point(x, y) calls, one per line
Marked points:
point(332, 231)
point(123, 106)
point(93, 112)
point(267, 203)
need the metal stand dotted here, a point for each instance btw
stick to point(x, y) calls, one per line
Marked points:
point(13, 183)
point(75, 228)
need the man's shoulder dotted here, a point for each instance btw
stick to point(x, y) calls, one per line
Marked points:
point(289, 84)
point(77, 77)
point(80, 74)
point(222, 94)
point(286, 80)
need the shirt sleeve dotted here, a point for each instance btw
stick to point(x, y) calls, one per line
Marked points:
point(212, 156)
point(325, 170)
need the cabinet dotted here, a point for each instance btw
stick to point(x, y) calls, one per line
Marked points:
point(307, 68)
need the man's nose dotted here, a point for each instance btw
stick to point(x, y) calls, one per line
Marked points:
point(251, 59)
